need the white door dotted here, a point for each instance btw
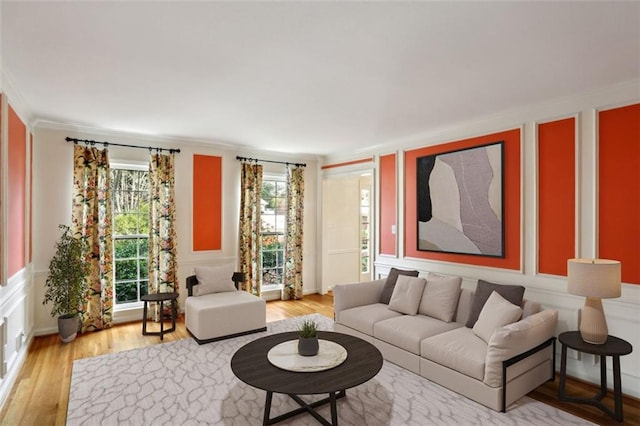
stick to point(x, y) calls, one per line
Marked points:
point(342, 231)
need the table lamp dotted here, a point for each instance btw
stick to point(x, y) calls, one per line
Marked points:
point(237, 278)
point(595, 279)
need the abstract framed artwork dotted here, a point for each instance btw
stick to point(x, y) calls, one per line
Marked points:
point(460, 201)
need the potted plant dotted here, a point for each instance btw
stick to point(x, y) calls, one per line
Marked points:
point(66, 282)
point(308, 338)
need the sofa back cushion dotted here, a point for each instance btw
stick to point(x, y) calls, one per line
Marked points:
point(390, 283)
point(497, 312)
point(440, 297)
point(513, 293)
point(406, 294)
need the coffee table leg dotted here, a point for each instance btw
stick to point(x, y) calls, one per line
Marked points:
point(334, 409)
point(267, 409)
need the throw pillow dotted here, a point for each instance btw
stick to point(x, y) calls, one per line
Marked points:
point(497, 312)
point(513, 293)
point(440, 297)
point(406, 294)
point(214, 279)
point(390, 283)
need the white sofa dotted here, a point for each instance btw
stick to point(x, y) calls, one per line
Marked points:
point(515, 358)
point(222, 311)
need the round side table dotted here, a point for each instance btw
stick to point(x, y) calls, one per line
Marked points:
point(160, 298)
point(613, 347)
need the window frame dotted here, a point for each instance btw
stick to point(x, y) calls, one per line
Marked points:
point(278, 178)
point(135, 166)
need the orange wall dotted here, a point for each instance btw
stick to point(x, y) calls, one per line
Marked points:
point(2, 236)
point(30, 238)
point(16, 194)
point(619, 189)
point(512, 228)
point(556, 195)
point(207, 203)
point(388, 202)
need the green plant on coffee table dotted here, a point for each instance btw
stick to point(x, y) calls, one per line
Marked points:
point(308, 329)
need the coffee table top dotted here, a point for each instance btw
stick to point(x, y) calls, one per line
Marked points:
point(250, 364)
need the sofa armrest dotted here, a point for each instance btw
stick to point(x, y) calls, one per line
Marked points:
point(515, 339)
point(346, 296)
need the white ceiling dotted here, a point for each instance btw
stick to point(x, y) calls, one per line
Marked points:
point(307, 77)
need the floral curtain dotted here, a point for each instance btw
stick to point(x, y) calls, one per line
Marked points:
point(163, 266)
point(293, 242)
point(250, 222)
point(91, 221)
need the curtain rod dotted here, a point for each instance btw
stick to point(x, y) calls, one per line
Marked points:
point(270, 161)
point(106, 144)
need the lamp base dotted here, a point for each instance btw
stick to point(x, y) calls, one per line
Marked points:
point(593, 325)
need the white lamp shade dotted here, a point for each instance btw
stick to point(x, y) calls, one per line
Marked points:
point(594, 278)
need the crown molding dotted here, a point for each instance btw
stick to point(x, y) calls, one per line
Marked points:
point(14, 97)
point(85, 129)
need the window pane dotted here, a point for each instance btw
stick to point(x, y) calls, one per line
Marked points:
point(126, 292)
point(124, 248)
point(143, 246)
point(144, 288)
point(144, 268)
point(125, 224)
point(126, 270)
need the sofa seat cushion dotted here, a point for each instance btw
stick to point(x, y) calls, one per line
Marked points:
point(363, 318)
point(458, 349)
point(407, 331)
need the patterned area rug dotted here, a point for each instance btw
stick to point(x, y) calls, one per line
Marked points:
point(183, 383)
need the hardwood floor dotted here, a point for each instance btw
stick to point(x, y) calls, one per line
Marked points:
point(40, 394)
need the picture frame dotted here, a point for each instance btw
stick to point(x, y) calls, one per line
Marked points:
point(460, 201)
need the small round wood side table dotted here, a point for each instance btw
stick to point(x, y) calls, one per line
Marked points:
point(613, 347)
point(160, 298)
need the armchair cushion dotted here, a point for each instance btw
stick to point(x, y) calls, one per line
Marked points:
point(214, 279)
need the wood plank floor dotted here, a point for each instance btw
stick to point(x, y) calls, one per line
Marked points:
point(41, 392)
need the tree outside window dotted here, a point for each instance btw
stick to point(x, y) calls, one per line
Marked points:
point(130, 195)
point(274, 210)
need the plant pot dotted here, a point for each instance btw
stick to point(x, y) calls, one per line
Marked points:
point(308, 346)
point(68, 327)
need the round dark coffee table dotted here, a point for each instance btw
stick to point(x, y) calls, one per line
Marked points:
point(250, 364)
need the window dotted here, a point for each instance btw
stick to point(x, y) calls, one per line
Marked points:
point(274, 210)
point(364, 231)
point(130, 195)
